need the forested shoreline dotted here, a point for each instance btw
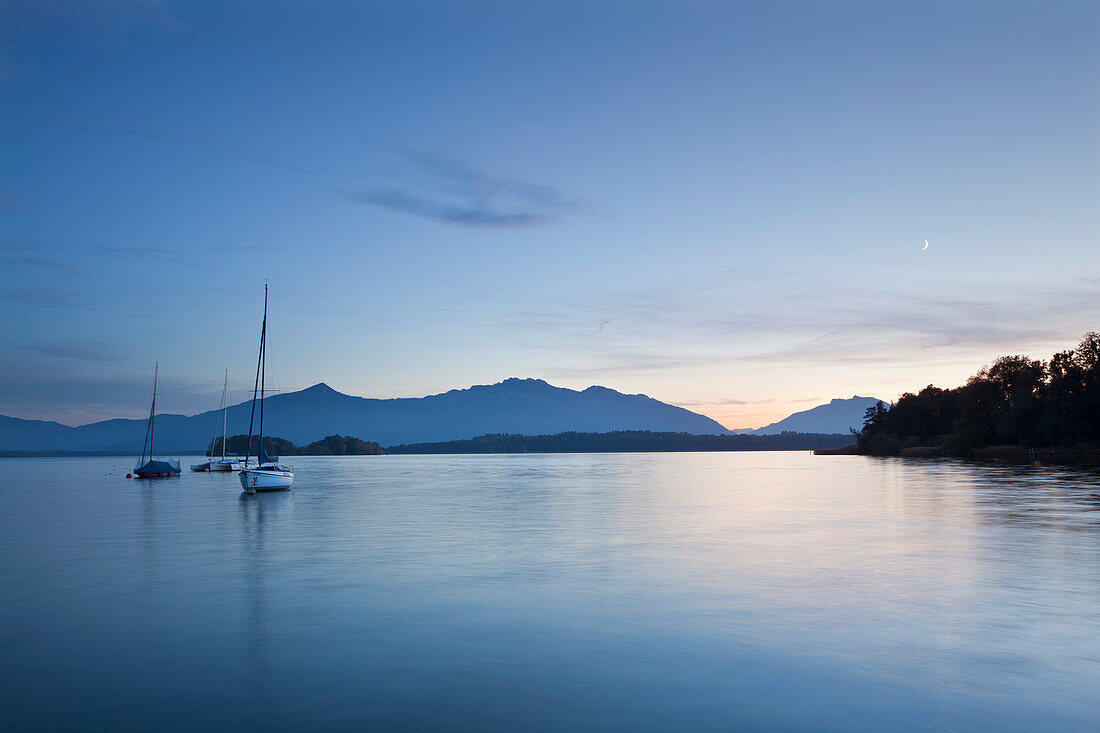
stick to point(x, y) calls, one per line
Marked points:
point(626, 441)
point(1016, 403)
point(623, 441)
point(333, 445)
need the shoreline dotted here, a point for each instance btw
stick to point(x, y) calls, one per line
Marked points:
point(992, 454)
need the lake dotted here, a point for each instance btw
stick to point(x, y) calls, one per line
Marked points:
point(758, 591)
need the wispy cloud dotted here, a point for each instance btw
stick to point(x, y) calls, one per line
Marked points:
point(81, 351)
point(19, 244)
point(42, 262)
point(77, 381)
point(51, 389)
point(251, 248)
point(40, 298)
point(450, 191)
point(751, 326)
point(728, 402)
point(68, 248)
point(471, 213)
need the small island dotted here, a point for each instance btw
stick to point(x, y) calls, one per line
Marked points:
point(333, 445)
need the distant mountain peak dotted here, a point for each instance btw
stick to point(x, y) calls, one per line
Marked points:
point(837, 416)
point(321, 388)
point(842, 400)
point(517, 381)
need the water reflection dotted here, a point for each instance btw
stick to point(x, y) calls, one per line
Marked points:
point(777, 591)
point(1037, 495)
point(257, 513)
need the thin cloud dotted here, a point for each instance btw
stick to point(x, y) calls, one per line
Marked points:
point(53, 390)
point(637, 362)
point(468, 213)
point(252, 248)
point(40, 298)
point(449, 191)
point(679, 328)
point(723, 403)
point(72, 300)
point(43, 263)
point(67, 247)
point(79, 351)
point(18, 244)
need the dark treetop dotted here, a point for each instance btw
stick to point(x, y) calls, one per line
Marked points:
point(333, 445)
point(1016, 401)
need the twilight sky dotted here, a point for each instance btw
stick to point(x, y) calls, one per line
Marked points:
point(721, 205)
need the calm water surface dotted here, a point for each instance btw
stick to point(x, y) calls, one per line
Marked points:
point(645, 591)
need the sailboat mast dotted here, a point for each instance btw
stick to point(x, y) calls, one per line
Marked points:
point(263, 365)
point(256, 386)
point(225, 409)
point(153, 409)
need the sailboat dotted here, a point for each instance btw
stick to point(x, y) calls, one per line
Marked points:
point(152, 468)
point(223, 463)
point(268, 474)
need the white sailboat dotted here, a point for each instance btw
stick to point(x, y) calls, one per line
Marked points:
point(224, 463)
point(268, 474)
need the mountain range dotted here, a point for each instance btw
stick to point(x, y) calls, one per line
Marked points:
point(518, 406)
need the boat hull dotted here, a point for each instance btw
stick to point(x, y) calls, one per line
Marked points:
point(266, 479)
point(226, 465)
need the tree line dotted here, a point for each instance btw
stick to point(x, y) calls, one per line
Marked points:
point(1015, 401)
point(626, 441)
point(333, 445)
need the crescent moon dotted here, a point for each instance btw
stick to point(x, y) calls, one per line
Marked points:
point(925, 246)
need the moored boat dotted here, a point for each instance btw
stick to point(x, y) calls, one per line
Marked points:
point(154, 468)
point(224, 463)
point(221, 464)
point(267, 474)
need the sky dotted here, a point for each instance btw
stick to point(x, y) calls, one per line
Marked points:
point(721, 205)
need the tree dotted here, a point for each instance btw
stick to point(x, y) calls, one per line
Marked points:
point(1016, 400)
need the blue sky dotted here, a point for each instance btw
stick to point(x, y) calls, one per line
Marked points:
point(721, 205)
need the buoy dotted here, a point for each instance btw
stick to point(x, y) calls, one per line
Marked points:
point(129, 475)
point(206, 470)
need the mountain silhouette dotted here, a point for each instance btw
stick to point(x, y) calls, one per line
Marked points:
point(527, 406)
point(835, 417)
